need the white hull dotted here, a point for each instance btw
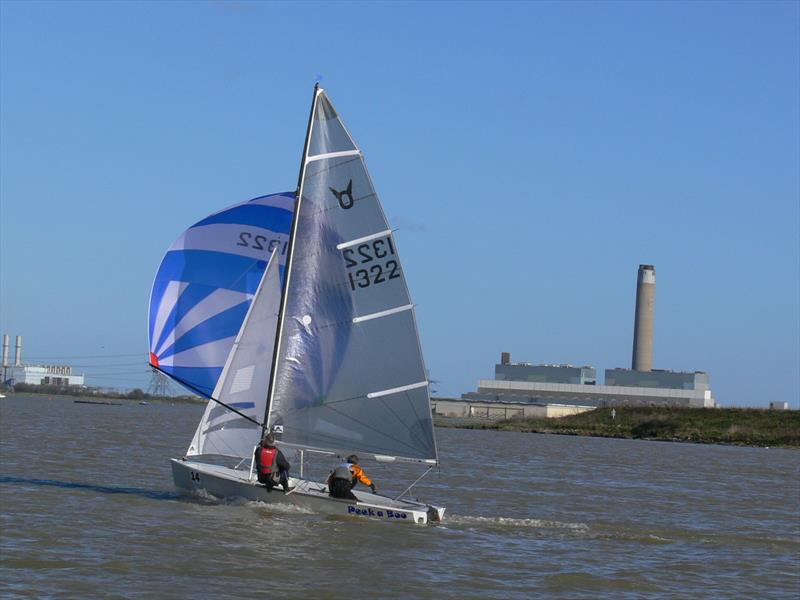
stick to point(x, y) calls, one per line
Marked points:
point(224, 482)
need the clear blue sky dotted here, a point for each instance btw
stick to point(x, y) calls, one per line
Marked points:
point(531, 155)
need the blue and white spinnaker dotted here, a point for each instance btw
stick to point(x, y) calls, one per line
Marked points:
point(205, 284)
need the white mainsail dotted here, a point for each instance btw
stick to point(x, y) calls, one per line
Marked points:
point(348, 374)
point(244, 382)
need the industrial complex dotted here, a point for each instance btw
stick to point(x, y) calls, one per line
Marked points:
point(519, 389)
point(525, 389)
point(34, 374)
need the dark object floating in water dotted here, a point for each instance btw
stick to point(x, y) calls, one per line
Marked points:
point(97, 402)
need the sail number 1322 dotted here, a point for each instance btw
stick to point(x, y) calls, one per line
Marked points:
point(371, 263)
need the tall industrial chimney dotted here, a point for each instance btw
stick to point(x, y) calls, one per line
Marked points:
point(18, 354)
point(645, 315)
point(5, 349)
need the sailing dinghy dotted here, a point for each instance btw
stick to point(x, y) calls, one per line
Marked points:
point(327, 354)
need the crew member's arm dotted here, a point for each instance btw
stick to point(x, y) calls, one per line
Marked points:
point(283, 464)
point(359, 474)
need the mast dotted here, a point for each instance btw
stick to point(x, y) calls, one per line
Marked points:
point(288, 271)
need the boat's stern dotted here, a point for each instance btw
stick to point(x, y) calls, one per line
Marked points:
point(403, 511)
point(435, 514)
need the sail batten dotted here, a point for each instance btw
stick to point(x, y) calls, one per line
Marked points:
point(361, 240)
point(397, 390)
point(383, 313)
point(316, 157)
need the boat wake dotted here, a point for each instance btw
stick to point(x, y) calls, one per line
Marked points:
point(266, 508)
point(280, 508)
point(559, 528)
point(509, 522)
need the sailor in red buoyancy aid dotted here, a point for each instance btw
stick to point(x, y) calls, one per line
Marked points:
point(271, 465)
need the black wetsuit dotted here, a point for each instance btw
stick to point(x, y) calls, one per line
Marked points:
point(341, 488)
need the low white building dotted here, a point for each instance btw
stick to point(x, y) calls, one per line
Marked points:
point(42, 375)
point(564, 384)
point(779, 406)
point(450, 407)
point(591, 395)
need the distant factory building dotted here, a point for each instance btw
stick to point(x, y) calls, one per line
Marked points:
point(545, 373)
point(656, 378)
point(43, 375)
point(34, 374)
point(598, 395)
point(503, 409)
point(566, 385)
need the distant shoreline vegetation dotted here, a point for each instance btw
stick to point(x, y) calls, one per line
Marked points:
point(737, 426)
point(88, 392)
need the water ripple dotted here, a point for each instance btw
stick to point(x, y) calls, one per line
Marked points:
point(527, 516)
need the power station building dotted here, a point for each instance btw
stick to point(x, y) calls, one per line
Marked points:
point(566, 385)
point(622, 387)
point(34, 374)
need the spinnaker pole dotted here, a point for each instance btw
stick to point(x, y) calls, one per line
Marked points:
point(198, 391)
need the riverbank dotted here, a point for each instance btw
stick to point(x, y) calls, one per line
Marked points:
point(96, 393)
point(739, 426)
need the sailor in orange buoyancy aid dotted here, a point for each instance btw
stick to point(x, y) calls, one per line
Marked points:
point(271, 465)
point(344, 478)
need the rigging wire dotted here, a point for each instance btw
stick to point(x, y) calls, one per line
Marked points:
point(125, 364)
point(139, 354)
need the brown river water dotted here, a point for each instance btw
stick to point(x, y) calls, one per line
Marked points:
point(88, 510)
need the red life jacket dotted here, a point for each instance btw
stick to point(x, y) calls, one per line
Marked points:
point(266, 460)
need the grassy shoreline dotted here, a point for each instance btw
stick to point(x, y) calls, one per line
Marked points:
point(738, 426)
